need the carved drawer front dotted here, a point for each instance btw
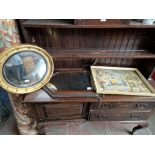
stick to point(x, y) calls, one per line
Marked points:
point(122, 105)
point(118, 116)
point(59, 111)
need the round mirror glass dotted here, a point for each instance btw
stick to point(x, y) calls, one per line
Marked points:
point(25, 69)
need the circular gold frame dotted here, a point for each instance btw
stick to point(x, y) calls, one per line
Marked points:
point(19, 48)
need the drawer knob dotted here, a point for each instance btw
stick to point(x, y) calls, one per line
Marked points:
point(140, 105)
point(135, 116)
point(103, 116)
point(105, 106)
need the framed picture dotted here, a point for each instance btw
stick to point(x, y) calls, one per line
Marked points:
point(120, 80)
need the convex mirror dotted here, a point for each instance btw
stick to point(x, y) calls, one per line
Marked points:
point(25, 68)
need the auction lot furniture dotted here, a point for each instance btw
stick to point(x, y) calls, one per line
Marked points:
point(75, 46)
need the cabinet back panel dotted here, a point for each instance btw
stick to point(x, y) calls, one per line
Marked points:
point(119, 39)
point(105, 39)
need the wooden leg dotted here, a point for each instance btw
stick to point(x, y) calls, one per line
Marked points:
point(40, 129)
point(138, 127)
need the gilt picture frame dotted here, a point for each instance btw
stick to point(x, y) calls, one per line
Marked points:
point(120, 80)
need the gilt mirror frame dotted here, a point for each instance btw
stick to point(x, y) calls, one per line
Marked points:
point(5, 55)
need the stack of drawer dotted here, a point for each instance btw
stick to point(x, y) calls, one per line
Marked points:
point(121, 111)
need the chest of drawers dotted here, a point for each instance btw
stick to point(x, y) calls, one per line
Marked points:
point(106, 110)
point(121, 110)
point(90, 108)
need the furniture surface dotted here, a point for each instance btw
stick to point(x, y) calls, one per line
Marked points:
point(107, 108)
point(75, 45)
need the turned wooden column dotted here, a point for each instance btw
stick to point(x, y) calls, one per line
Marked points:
point(23, 112)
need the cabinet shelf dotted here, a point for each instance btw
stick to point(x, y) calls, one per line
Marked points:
point(47, 23)
point(69, 23)
point(86, 54)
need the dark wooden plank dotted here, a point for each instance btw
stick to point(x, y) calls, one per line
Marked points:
point(136, 105)
point(41, 96)
point(26, 34)
point(118, 45)
point(59, 111)
point(103, 115)
point(110, 45)
point(115, 38)
point(40, 23)
point(127, 47)
point(85, 54)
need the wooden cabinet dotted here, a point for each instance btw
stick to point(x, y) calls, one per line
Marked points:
point(77, 44)
point(60, 111)
point(121, 111)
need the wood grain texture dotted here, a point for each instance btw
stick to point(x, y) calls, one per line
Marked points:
point(123, 105)
point(82, 47)
point(58, 111)
point(75, 47)
point(93, 23)
point(118, 116)
point(92, 38)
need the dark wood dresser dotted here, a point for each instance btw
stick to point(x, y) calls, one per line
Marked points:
point(93, 108)
point(75, 46)
point(122, 109)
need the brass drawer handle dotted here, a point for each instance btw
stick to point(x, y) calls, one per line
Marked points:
point(135, 116)
point(105, 106)
point(140, 105)
point(103, 116)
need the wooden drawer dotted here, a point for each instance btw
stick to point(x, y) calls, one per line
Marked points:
point(60, 111)
point(123, 105)
point(96, 115)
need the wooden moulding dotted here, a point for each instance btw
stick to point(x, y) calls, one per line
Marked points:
point(98, 53)
point(51, 23)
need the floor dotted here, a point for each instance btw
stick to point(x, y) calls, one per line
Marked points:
point(83, 128)
point(9, 127)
